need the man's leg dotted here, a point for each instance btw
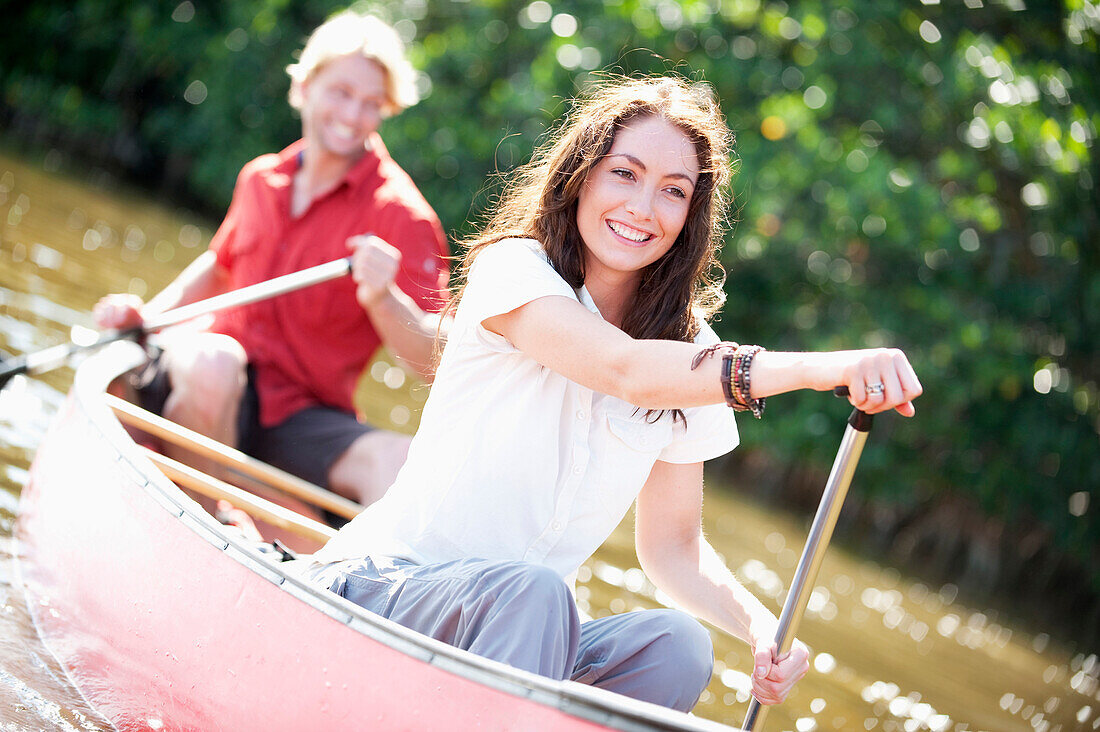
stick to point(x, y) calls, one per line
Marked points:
point(196, 381)
point(207, 375)
point(659, 656)
point(332, 449)
point(368, 467)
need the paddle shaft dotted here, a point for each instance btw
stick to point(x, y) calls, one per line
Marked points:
point(821, 531)
point(42, 361)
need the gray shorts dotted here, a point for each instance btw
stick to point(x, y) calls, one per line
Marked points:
point(306, 444)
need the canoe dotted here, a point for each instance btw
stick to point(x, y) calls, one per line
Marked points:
point(165, 619)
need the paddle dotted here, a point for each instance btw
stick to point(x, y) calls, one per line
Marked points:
point(836, 488)
point(42, 361)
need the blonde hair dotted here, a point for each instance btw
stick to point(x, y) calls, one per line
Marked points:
point(349, 32)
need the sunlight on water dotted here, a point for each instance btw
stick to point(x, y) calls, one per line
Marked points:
point(49, 278)
point(888, 654)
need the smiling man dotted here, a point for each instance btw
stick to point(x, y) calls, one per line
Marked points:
point(276, 378)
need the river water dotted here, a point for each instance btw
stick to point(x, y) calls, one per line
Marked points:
point(889, 653)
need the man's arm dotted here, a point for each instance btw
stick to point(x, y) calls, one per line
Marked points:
point(406, 329)
point(201, 279)
point(681, 562)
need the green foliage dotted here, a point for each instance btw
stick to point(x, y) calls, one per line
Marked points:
point(913, 175)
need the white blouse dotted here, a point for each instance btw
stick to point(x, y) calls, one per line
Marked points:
point(512, 460)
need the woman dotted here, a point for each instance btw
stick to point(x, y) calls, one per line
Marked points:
point(579, 375)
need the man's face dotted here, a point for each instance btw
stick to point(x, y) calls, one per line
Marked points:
point(342, 105)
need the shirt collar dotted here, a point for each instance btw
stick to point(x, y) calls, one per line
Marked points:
point(364, 169)
point(586, 300)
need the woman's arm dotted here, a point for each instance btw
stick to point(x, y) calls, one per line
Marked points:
point(563, 335)
point(679, 560)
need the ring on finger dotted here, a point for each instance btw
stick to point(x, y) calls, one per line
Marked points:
point(876, 388)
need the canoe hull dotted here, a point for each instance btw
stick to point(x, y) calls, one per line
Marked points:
point(164, 621)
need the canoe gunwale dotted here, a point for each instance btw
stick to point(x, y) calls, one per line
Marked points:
point(575, 699)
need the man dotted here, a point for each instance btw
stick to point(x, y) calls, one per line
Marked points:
point(276, 378)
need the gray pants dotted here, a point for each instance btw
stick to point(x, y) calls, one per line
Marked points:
point(524, 615)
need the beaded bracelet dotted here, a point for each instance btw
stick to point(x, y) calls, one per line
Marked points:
point(743, 357)
point(736, 362)
point(727, 380)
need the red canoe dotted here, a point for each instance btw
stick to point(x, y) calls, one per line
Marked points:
point(165, 619)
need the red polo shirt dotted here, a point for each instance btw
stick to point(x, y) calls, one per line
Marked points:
point(308, 347)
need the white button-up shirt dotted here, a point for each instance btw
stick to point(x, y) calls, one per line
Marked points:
point(512, 460)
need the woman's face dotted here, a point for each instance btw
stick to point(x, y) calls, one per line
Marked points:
point(635, 201)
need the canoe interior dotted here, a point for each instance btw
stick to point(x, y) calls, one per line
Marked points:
point(165, 619)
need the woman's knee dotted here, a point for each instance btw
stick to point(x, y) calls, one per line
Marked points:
point(537, 595)
point(523, 615)
point(687, 646)
point(541, 584)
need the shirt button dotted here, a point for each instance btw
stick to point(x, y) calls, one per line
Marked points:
point(577, 469)
point(580, 414)
point(556, 526)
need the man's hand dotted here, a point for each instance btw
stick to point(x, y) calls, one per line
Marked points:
point(374, 266)
point(119, 311)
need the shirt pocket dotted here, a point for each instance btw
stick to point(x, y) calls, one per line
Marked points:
point(634, 447)
point(639, 435)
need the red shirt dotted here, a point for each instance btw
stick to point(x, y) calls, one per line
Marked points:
point(309, 347)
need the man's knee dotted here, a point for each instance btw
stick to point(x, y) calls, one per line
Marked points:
point(209, 368)
point(208, 377)
point(369, 466)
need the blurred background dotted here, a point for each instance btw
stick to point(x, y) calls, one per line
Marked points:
point(914, 174)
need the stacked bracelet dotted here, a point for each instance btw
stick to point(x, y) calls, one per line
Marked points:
point(736, 363)
point(742, 390)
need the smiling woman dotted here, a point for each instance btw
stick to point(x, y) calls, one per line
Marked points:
point(577, 380)
point(939, 643)
point(633, 208)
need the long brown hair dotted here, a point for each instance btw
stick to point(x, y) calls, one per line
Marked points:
point(540, 201)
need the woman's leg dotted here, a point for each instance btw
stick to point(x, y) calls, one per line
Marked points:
point(514, 612)
point(659, 656)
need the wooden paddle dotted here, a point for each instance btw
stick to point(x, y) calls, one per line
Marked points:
point(832, 499)
point(50, 358)
point(211, 449)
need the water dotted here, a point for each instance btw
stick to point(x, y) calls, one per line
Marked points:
point(890, 653)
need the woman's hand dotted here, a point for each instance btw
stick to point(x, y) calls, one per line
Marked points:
point(119, 311)
point(879, 380)
point(772, 678)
